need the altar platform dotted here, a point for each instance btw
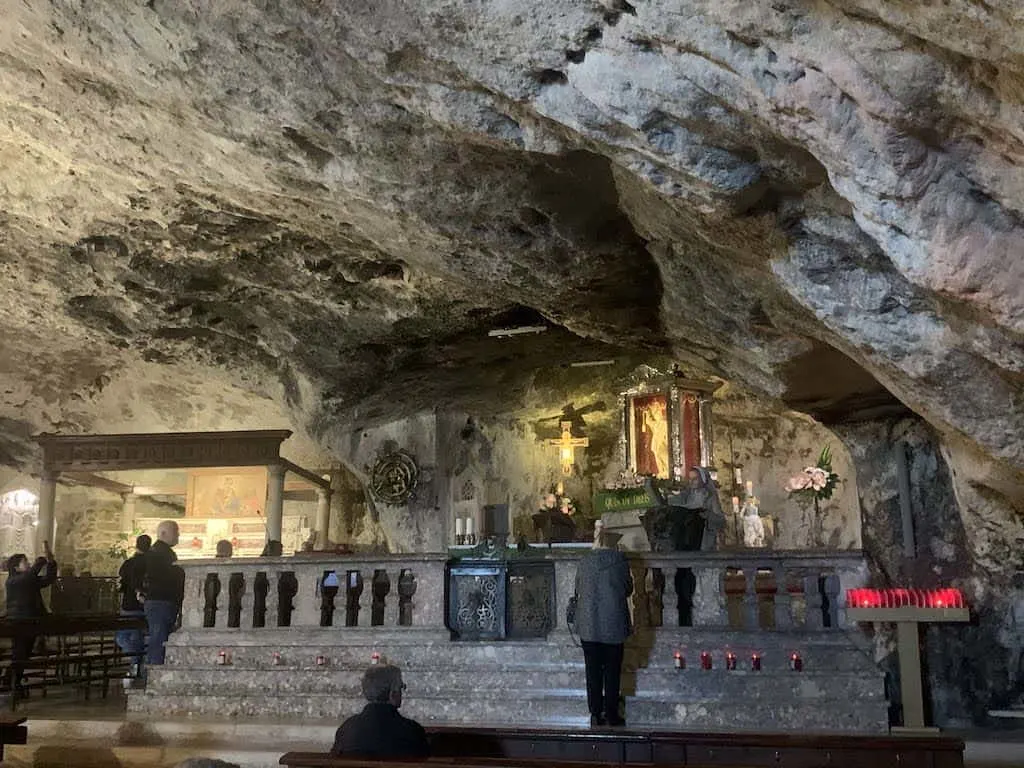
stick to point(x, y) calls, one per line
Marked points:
point(265, 638)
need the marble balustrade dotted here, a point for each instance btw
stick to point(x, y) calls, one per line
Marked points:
point(746, 589)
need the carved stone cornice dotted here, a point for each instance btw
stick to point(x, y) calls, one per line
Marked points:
point(171, 450)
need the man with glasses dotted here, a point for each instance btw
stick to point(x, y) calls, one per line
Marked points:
point(379, 731)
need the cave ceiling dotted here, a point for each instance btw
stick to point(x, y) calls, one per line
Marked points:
point(324, 205)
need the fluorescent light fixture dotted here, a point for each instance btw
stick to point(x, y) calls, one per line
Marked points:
point(591, 363)
point(504, 332)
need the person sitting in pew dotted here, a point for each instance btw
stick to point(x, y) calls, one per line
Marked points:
point(379, 731)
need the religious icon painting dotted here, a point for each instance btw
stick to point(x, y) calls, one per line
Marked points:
point(650, 433)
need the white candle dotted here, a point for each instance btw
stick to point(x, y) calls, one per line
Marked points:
point(738, 474)
point(470, 526)
point(750, 487)
point(460, 526)
point(735, 505)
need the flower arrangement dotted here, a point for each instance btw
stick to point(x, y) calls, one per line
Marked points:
point(817, 482)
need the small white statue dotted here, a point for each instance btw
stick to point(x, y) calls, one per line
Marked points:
point(753, 526)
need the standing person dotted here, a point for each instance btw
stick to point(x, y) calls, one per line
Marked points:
point(603, 586)
point(25, 602)
point(133, 574)
point(162, 591)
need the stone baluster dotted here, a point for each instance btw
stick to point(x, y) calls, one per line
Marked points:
point(428, 602)
point(192, 607)
point(391, 600)
point(237, 588)
point(812, 597)
point(670, 596)
point(835, 609)
point(213, 617)
point(406, 594)
point(709, 607)
point(783, 602)
point(751, 617)
point(260, 599)
point(270, 618)
point(365, 597)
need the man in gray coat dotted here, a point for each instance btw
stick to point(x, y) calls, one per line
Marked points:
point(603, 586)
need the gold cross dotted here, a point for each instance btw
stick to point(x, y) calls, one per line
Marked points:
point(567, 445)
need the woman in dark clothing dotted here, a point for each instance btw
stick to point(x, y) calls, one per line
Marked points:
point(603, 586)
point(25, 601)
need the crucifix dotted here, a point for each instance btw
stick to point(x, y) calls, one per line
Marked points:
point(567, 444)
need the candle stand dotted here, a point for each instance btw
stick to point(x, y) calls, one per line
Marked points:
point(908, 609)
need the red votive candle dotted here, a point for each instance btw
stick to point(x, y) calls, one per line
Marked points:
point(275, 659)
point(321, 661)
point(222, 657)
point(730, 660)
point(680, 661)
point(705, 660)
point(755, 662)
point(374, 658)
point(795, 662)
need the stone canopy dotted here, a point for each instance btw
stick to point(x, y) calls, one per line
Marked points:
point(327, 205)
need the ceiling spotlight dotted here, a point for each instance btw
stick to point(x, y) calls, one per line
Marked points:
point(591, 363)
point(505, 332)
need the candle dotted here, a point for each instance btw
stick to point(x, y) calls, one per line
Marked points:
point(735, 505)
point(470, 526)
point(374, 659)
point(730, 660)
point(460, 527)
point(680, 660)
point(750, 487)
point(738, 474)
point(755, 662)
point(276, 658)
point(705, 660)
point(321, 661)
point(795, 662)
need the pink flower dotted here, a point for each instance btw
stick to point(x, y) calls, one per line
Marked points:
point(818, 477)
point(799, 482)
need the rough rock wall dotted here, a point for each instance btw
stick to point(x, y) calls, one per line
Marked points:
point(88, 521)
point(969, 668)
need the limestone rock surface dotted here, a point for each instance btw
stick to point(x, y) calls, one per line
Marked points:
point(316, 209)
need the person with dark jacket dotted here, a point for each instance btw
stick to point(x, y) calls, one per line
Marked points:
point(603, 586)
point(25, 602)
point(379, 732)
point(163, 589)
point(132, 578)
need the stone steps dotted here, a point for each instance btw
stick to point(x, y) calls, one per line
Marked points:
point(530, 682)
point(535, 708)
point(822, 651)
point(465, 682)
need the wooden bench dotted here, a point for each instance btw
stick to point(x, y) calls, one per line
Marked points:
point(80, 657)
point(12, 731)
point(514, 748)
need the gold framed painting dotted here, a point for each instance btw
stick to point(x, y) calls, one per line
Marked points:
point(226, 493)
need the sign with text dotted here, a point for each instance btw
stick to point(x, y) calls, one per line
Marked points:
point(623, 499)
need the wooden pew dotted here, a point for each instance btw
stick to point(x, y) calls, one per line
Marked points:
point(515, 748)
point(12, 731)
point(72, 662)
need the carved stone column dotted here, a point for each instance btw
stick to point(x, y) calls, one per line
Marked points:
point(275, 501)
point(323, 517)
point(45, 530)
